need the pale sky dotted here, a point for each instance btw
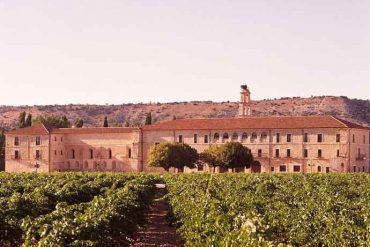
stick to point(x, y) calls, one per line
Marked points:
point(59, 52)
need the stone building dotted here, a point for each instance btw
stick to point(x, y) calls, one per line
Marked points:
point(279, 144)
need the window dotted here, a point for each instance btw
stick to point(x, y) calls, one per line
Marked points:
point(282, 168)
point(319, 138)
point(38, 140)
point(129, 153)
point(235, 136)
point(195, 138)
point(180, 139)
point(244, 137)
point(296, 168)
point(253, 137)
point(16, 141)
point(305, 137)
point(289, 138)
point(205, 138)
point(61, 152)
point(305, 153)
point(55, 152)
point(354, 168)
point(277, 153)
point(338, 153)
point(337, 139)
point(38, 154)
point(16, 154)
point(55, 138)
point(216, 137)
point(319, 153)
point(272, 169)
point(109, 153)
point(277, 137)
point(260, 153)
point(73, 154)
point(91, 153)
point(263, 136)
point(353, 138)
point(225, 137)
point(327, 169)
point(288, 153)
point(318, 168)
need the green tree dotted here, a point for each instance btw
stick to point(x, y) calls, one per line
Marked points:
point(229, 155)
point(28, 122)
point(79, 123)
point(2, 150)
point(22, 120)
point(105, 124)
point(148, 119)
point(52, 120)
point(177, 155)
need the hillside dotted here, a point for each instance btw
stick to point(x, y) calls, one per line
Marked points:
point(354, 110)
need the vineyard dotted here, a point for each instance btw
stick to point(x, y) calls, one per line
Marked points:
point(72, 209)
point(271, 210)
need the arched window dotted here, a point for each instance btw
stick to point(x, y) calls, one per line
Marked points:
point(244, 137)
point(235, 136)
point(91, 152)
point(110, 153)
point(216, 137)
point(263, 136)
point(225, 137)
point(73, 154)
point(253, 136)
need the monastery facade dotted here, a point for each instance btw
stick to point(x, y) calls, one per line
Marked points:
point(279, 144)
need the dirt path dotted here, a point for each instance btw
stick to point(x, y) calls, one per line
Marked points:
point(158, 232)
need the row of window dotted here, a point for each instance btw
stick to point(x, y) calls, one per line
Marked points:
point(95, 165)
point(253, 137)
point(297, 168)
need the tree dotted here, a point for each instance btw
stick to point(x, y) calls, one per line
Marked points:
point(177, 155)
point(52, 120)
point(79, 123)
point(2, 150)
point(148, 119)
point(105, 124)
point(28, 122)
point(22, 120)
point(229, 155)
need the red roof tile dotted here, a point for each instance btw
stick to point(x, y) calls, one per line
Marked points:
point(100, 130)
point(286, 122)
point(37, 129)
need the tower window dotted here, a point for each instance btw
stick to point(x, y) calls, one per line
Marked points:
point(337, 152)
point(288, 153)
point(319, 153)
point(16, 154)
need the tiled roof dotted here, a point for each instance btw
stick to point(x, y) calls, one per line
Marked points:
point(286, 122)
point(37, 129)
point(99, 130)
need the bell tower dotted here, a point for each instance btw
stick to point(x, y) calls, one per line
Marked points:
point(245, 100)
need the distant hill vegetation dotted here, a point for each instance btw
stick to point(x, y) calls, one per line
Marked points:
point(354, 110)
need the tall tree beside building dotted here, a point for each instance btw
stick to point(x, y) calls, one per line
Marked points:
point(22, 120)
point(105, 122)
point(79, 123)
point(148, 119)
point(28, 122)
point(2, 150)
point(52, 120)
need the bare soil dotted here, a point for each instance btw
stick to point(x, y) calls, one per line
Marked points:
point(158, 231)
